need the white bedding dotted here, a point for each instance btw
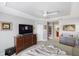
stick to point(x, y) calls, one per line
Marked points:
point(41, 50)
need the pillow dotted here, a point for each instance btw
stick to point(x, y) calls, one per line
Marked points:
point(66, 35)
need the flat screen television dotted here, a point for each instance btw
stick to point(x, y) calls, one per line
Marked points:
point(25, 29)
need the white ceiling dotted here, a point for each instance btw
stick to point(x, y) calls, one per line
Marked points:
point(36, 9)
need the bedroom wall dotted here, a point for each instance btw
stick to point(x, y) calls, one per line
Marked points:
point(7, 37)
point(70, 21)
point(75, 9)
point(73, 19)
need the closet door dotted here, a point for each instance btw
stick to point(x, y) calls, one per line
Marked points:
point(39, 28)
point(41, 32)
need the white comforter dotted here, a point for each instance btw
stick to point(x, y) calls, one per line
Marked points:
point(42, 50)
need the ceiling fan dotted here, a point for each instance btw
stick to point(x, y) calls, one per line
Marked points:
point(47, 14)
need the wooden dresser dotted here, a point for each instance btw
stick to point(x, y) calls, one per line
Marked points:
point(25, 41)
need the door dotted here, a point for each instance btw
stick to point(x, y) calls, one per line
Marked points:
point(39, 32)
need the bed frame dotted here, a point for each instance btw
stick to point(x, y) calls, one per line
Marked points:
point(25, 41)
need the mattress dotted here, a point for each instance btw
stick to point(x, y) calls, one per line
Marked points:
point(42, 50)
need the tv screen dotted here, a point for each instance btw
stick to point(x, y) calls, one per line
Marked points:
point(25, 29)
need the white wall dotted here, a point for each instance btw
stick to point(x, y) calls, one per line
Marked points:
point(70, 21)
point(40, 31)
point(73, 18)
point(7, 37)
point(75, 9)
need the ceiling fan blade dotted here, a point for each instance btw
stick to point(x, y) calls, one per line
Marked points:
point(52, 12)
point(48, 14)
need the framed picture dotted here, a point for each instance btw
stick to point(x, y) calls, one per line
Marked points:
point(69, 27)
point(6, 26)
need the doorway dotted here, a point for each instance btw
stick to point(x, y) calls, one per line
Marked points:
point(53, 30)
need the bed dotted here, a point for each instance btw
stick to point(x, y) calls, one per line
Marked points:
point(42, 50)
